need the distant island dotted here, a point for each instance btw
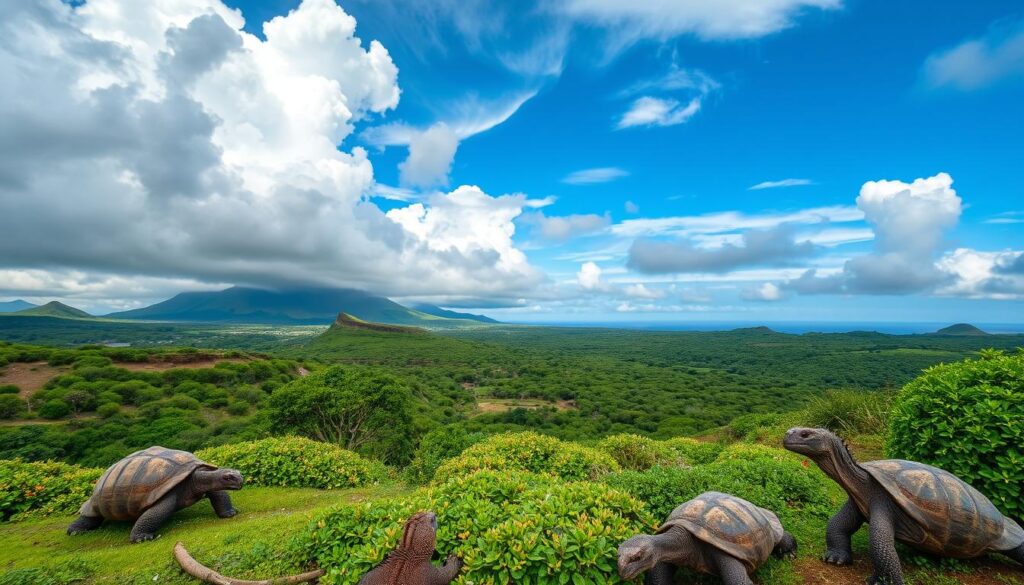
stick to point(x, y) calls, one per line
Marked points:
point(961, 329)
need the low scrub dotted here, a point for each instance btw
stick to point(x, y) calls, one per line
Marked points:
point(530, 452)
point(508, 528)
point(43, 488)
point(778, 482)
point(967, 418)
point(295, 462)
point(638, 453)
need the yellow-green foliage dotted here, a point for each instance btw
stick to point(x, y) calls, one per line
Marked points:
point(508, 528)
point(529, 452)
point(295, 462)
point(638, 453)
point(968, 418)
point(633, 451)
point(30, 488)
point(752, 451)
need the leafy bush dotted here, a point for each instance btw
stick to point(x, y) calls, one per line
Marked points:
point(633, 451)
point(11, 406)
point(9, 389)
point(691, 451)
point(30, 488)
point(108, 409)
point(967, 418)
point(295, 462)
point(363, 409)
point(783, 485)
point(54, 409)
point(529, 452)
point(508, 528)
point(437, 446)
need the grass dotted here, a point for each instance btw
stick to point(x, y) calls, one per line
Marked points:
point(251, 541)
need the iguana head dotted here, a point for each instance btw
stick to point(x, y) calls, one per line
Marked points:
point(419, 538)
point(636, 555)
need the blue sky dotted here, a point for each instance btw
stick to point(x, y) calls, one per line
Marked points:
point(627, 141)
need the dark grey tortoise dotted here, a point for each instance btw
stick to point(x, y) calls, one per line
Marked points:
point(714, 533)
point(149, 486)
point(924, 507)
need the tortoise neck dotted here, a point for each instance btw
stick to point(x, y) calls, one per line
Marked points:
point(203, 481)
point(838, 463)
point(675, 546)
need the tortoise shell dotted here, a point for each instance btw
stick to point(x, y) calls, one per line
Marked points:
point(953, 518)
point(730, 524)
point(130, 486)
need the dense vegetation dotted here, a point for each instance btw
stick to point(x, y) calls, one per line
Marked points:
point(981, 399)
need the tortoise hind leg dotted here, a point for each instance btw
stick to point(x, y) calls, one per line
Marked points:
point(786, 548)
point(730, 569)
point(886, 561)
point(84, 524)
point(1016, 554)
point(147, 524)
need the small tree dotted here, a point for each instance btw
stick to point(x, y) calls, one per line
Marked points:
point(359, 409)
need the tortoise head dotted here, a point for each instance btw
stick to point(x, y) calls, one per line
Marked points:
point(220, 479)
point(810, 442)
point(636, 555)
point(419, 537)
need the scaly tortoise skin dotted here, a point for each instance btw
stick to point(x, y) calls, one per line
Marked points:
point(150, 485)
point(921, 506)
point(409, 563)
point(714, 533)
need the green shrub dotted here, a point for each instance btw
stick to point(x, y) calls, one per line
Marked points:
point(967, 418)
point(108, 409)
point(9, 389)
point(529, 452)
point(238, 408)
point(783, 486)
point(633, 451)
point(33, 488)
point(11, 406)
point(749, 451)
point(437, 446)
point(295, 462)
point(54, 409)
point(691, 451)
point(508, 528)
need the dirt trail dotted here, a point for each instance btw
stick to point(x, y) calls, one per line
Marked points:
point(982, 572)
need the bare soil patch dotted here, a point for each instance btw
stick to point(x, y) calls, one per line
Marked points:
point(493, 405)
point(29, 376)
point(981, 572)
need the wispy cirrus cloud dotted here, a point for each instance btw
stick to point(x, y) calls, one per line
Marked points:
point(779, 184)
point(980, 62)
point(595, 175)
point(653, 111)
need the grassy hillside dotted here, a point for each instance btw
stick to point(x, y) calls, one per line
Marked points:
point(55, 309)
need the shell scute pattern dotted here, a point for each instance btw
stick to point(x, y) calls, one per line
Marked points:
point(730, 524)
point(133, 484)
point(955, 519)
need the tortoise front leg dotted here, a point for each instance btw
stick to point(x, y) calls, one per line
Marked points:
point(147, 524)
point(730, 569)
point(837, 536)
point(84, 524)
point(222, 504)
point(661, 574)
point(886, 561)
point(446, 574)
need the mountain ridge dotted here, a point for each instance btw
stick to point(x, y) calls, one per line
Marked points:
point(54, 309)
point(16, 305)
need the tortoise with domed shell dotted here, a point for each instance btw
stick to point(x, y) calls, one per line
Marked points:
point(714, 533)
point(921, 506)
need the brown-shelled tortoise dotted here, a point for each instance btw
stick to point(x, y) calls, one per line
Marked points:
point(714, 533)
point(149, 486)
point(921, 506)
